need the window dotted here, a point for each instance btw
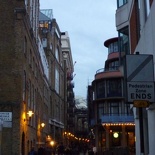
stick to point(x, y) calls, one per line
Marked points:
point(33, 64)
point(124, 41)
point(25, 45)
point(114, 108)
point(113, 65)
point(121, 3)
point(29, 94)
point(31, 12)
point(100, 89)
point(113, 47)
point(128, 110)
point(24, 86)
point(26, 3)
point(114, 88)
point(100, 110)
point(57, 54)
point(30, 58)
point(57, 80)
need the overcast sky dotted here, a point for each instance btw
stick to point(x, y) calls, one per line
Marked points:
point(89, 23)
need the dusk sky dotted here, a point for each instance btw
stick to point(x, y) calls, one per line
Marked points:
point(89, 24)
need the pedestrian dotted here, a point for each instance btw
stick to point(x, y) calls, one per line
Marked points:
point(33, 152)
point(60, 149)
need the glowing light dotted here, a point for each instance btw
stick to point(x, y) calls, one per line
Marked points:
point(116, 135)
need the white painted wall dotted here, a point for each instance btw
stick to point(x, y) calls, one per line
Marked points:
point(146, 45)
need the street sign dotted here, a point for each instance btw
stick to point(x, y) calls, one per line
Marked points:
point(139, 67)
point(139, 75)
point(141, 103)
point(6, 116)
point(140, 91)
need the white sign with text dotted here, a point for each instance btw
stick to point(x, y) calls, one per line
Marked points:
point(140, 91)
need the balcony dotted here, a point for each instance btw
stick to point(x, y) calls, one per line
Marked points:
point(117, 119)
point(108, 73)
point(70, 85)
point(69, 76)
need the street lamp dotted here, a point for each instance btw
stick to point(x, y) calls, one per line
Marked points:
point(42, 125)
point(29, 113)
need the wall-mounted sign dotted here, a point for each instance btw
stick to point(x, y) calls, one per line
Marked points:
point(141, 104)
point(140, 91)
point(139, 75)
point(6, 116)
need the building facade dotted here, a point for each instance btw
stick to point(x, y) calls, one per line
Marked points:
point(69, 96)
point(135, 24)
point(51, 38)
point(33, 78)
point(113, 120)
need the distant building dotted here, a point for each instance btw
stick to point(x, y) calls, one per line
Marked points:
point(110, 117)
point(51, 39)
point(69, 85)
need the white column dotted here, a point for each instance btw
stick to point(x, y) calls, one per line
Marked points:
point(151, 131)
point(1, 127)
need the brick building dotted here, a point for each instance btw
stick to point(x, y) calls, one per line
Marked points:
point(32, 78)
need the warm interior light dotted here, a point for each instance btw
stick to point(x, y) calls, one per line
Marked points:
point(52, 143)
point(115, 134)
point(30, 113)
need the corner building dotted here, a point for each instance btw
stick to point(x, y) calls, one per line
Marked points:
point(21, 74)
point(32, 78)
point(113, 121)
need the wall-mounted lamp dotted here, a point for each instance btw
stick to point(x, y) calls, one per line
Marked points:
point(42, 125)
point(52, 143)
point(29, 113)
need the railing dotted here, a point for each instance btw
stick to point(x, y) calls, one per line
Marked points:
point(115, 68)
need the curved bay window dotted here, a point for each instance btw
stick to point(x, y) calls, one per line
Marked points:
point(114, 65)
point(114, 88)
point(113, 47)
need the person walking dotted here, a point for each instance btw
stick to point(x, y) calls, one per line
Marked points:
point(33, 152)
point(60, 149)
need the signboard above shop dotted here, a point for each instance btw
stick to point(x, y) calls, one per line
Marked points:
point(139, 75)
